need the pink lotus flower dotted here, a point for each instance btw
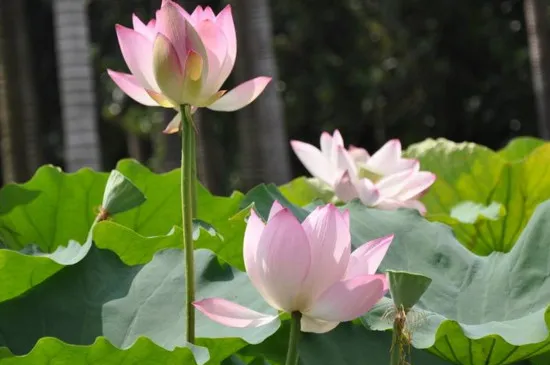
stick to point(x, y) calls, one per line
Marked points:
point(306, 267)
point(384, 180)
point(179, 59)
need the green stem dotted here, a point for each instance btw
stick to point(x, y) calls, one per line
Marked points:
point(194, 173)
point(395, 352)
point(187, 200)
point(292, 353)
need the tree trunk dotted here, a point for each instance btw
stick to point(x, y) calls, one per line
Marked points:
point(262, 131)
point(80, 124)
point(19, 122)
point(536, 19)
point(136, 148)
point(210, 155)
point(171, 145)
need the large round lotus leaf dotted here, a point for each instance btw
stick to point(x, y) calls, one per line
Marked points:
point(50, 351)
point(467, 172)
point(54, 211)
point(63, 209)
point(55, 207)
point(478, 310)
point(20, 271)
point(347, 344)
point(520, 147)
point(102, 297)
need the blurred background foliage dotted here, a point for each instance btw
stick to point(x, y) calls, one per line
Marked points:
point(374, 69)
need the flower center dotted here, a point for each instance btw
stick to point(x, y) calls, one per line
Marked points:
point(368, 174)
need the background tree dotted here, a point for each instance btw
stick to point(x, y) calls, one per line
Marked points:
point(21, 146)
point(81, 137)
point(262, 131)
point(538, 33)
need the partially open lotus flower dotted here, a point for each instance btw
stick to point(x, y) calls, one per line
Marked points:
point(180, 58)
point(307, 268)
point(384, 180)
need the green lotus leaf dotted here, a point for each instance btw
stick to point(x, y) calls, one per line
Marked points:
point(478, 310)
point(135, 249)
point(220, 227)
point(473, 213)
point(467, 172)
point(55, 207)
point(348, 344)
point(102, 297)
point(46, 218)
point(30, 266)
point(302, 191)
point(144, 352)
point(519, 148)
point(64, 209)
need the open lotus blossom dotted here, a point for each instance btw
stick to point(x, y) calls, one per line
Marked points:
point(385, 179)
point(306, 268)
point(183, 59)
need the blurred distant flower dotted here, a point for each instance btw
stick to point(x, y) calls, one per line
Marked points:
point(306, 268)
point(181, 59)
point(384, 180)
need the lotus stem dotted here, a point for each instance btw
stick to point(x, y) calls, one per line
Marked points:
point(188, 201)
point(292, 353)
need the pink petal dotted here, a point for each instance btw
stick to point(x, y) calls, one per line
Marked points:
point(181, 10)
point(283, 258)
point(392, 204)
point(330, 246)
point(326, 145)
point(391, 185)
point(416, 184)
point(232, 314)
point(224, 20)
point(344, 161)
point(174, 125)
point(172, 24)
point(167, 68)
point(348, 299)
point(140, 27)
point(415, 204)
point(252, 236)
point(389, 204)
point(215, 44)
point(345, 216)
point(241, 96)
point(137, 51)
point(254, 228)
point(196, 16)
point(208, 14)
point(337, 142)
point(276, 207)
point(366, 259)
point(367, 191)
point(337, 138)
point(231, 47)
point(313, 325)
point(130, 85)
point(387, 160)
point(344, 188)
point(314, 161)
point(359, 155)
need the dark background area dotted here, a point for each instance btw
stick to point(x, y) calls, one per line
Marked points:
point(375, 70)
